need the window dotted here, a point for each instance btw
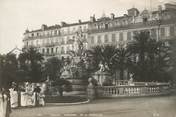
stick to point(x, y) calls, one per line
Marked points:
point(145, 20)
point(67, 40)
point(106, 26)
point(84, 36)
point(56, 49)
point(92, 39)
point(73, 29)
point(62, 50)
point(31, 43)
point(99, 39)
point(47, 50)
point(43, 50)
point(55, 32)
point(162, 32)
point(68, 49)
point(153, 33)
point(37, 42)
point(128, 36)
point(59, 32)
point(121, 36)
point(68, 30)
point(98, 26)
point(62, 41)
point(48, 33)
point(85, 28)
point(113, 37)
point(52, 50)
point(73, 37)
point(172, 31)
point(102, 26)
point(106, 38)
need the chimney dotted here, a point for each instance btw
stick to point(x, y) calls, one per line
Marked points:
point(63, 24)
point(79, 21)
point(112, 15)
point(92, 18)
point(26, 31)
point(159, 8)
point(44, 26)
point(125, 15)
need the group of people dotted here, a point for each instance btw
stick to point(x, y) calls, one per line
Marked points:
point(32, 95)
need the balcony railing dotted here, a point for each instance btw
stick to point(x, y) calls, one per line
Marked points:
point(140, 90)
point(132, 26)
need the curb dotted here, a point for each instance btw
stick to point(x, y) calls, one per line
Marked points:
point(66, 104)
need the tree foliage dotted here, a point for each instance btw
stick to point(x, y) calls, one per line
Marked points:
point(8, 70)
point(121, 60)
point(103, 54)
point(31, 64)
point(151, 58)
point(53, 67)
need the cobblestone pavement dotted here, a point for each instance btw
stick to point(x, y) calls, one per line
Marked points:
point(162, 106)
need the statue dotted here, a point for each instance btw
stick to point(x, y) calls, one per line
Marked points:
point(80, 43)
point(130, 82)
point(102, 68)
point(66, 71)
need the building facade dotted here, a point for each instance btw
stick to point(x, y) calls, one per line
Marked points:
point(58, 40)
point(120, 30)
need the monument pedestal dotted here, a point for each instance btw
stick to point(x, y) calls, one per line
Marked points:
point(101, 77)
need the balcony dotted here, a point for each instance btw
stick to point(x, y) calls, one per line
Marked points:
point(132, 26)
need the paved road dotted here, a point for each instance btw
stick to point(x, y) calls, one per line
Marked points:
point(163, 106)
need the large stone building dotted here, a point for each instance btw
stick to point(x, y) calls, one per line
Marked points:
point(58, 40)
point(120, 30)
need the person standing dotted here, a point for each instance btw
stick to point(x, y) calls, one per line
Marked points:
point(36, 95)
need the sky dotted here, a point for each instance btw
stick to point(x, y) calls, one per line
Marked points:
point(18, 15)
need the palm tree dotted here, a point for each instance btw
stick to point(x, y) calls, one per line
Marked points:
point(158, 59)
point(102, 54)
point(31, 64)
point(121, 60)
point(139, 50)
point(172, 56)
point(151, 56)
point(140, 45)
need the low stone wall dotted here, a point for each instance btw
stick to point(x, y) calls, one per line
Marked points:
point(147, 89)
point(139, 90)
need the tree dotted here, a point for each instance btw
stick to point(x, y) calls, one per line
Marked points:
point(121, 60)
point(31, 64)
point(53, 67)
point(103, 54)
point(158, 60)
point(8, 69)
point(172, 60)
point(151, 57)
point(8, 74)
